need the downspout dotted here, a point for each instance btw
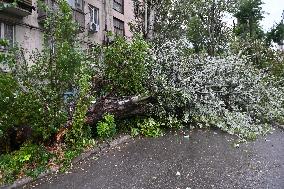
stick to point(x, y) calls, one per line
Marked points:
point(106, 19)
point(146, 17)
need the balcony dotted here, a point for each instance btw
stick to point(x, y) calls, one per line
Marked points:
point(78, 15)
point(23, 8)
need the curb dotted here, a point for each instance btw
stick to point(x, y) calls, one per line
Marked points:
point(280, 126)
point(100, 148)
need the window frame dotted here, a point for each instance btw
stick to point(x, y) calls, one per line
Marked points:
point(81, 7)
point(118, 28)
point(2, 34)
point(92, 17)
point(74, 5)
point(115, 2)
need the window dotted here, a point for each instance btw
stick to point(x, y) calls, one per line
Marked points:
point(118, 26)
point(7, 32)
point(76, 4)
point(94, 14)
point(79, 4)
point(118, 5)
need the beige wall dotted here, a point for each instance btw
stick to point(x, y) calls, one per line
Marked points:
point(107, 13)
point(127, 17)
point(28, 31)
point(99, 36)
point(29, 37)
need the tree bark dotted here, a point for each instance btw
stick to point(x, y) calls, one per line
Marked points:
point(119, 107)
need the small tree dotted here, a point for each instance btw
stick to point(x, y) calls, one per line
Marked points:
point(52, 92)
point(277, 33)
point(248, 15)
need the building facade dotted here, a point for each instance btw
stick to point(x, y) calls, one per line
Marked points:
point(23, 24)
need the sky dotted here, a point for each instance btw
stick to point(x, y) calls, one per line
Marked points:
point(273, 11)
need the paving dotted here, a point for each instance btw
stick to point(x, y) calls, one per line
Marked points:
point(183, 160)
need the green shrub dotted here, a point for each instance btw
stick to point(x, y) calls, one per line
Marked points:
point(31, 160)
point(107, 127)
point(150, 128)
point(36, 95)
point(123, 66)
point(173, 122)
point(135, 132)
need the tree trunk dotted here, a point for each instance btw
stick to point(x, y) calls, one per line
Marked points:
point(119, 107)
point(151, 22)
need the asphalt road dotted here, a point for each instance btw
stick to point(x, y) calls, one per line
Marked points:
point(205, 159)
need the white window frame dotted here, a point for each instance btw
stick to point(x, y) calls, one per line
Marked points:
point(92, 10)
point(2, 33)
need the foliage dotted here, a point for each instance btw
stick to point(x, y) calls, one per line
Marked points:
point(249, 14)
point(30, 159)
point(123, 65)
point(53, 90)
point(80, 132)
point(206, 29)
point(154, 15)
point(107, 127)
point(240, 94)
point(134, 132)
point(36, 97)
point(276, 34)
point(149, 127)
point(4, 5)
point(226, 92)
point(173, 122)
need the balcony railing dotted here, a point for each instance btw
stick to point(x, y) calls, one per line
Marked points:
point(22, 9)
point(78, 15)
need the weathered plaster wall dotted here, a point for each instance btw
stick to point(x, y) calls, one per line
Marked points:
point(28, 32)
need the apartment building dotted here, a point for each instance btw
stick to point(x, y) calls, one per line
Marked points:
point(23, 24)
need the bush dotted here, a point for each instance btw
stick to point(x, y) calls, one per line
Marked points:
point(149, 127)
point(30, 160)
point(226, 92)
point(106, 128)
point(123, 66)
point(52, 91)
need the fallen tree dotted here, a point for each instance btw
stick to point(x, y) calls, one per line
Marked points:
point(120, 107)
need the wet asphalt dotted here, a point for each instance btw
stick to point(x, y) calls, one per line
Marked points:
point(194, 159)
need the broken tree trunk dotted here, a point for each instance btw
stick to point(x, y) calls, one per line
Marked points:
point(119, 107)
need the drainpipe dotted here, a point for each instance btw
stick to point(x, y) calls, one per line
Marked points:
point(146, 17)
point(105, 14)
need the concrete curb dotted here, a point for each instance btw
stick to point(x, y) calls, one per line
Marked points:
point(279, 126)
point(101, 147)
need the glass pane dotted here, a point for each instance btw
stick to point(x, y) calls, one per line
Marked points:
point(71, 3)
point(118, 26)
point(9, 34)
point(0, 30)
point(96, 18)
point(91, 14)
point(94, 14)
point(118, 6)
point(79, 4)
